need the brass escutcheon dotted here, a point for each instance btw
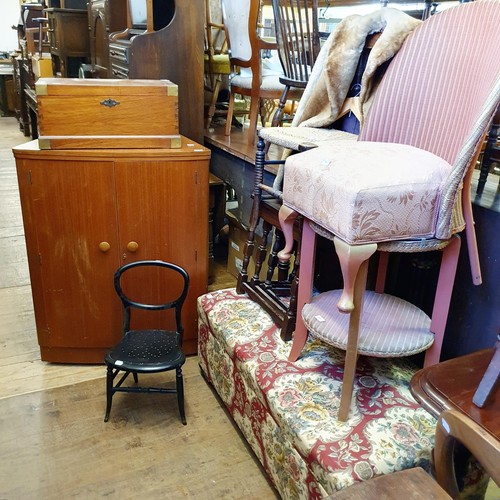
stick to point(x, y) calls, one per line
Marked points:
point(109, 103)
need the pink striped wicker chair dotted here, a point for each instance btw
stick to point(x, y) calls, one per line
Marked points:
point(404, 186)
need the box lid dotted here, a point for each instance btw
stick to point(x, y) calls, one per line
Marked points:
point(98, 86)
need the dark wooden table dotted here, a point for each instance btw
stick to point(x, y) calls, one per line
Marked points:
point(452, 385)
point(410, 484)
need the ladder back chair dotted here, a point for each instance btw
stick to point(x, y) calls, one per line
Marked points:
point(216, 58)
point(404, 186)
point(297, 36)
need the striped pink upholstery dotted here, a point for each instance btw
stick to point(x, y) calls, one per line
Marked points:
point(435, 88)
point(440, 92)
point(438, 95)
point(391, 327)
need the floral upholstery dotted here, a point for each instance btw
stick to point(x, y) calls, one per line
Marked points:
point(288, 411)
point(367, 192)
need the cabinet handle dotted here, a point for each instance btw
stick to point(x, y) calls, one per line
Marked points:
point(104, 246)
point(132, 246)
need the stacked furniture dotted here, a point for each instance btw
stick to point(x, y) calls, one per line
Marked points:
point(401, 190)
point(68, 38)
point(246, 47)
point(99, 198)
point(164, 40)
point(105, 17)
point(24, 79)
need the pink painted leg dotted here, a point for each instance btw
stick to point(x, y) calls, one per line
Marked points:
point(287, 218)
point(306, 275)
point(442, 299)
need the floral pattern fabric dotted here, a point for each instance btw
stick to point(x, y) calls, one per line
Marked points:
point(367, 192)
point(287, 411)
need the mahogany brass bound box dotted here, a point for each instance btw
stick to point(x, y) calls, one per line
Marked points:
point(77, 113)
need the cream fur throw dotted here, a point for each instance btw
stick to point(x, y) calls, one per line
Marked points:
point(336, 64)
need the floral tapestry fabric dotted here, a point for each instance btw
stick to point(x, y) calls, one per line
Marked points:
point(287, 411)
point(367, 192)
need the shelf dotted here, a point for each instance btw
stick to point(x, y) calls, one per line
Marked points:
point(390, 326)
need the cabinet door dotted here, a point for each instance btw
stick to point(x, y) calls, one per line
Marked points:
point(73, 252)
point(163, 214)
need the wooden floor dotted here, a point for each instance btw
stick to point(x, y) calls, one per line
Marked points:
point(54, 443)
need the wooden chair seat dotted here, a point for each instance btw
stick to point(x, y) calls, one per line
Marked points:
point(409, 484)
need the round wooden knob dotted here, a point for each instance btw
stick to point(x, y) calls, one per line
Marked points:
point(104, 246)
point(132, 246)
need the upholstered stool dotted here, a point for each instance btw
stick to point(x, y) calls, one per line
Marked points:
point(287, 411)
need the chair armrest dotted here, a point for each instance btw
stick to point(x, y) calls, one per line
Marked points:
point(455, 426)
point(266, 45)
point(119, 35)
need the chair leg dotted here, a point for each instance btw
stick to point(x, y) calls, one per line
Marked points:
point(354, 265)
point(287, 218)
point(442, 299)
point(305, 285)
point(470, 232)
point(279, 111)
point(272, 258)
point(254, 215)
point(383, 264)
point(351, 257)
point(213, 101)
point(261, 252)
point(230, 110)
point(491, 141)
point(254, 115)
point(290, 319)
point(180, 394)
point(274, 261)
point(109, 392)
point(491, 378)
point(351, 355)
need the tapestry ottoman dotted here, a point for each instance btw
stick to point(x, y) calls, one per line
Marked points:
point(288, 411)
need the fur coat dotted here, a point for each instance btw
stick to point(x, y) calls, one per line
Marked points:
point(337, 61)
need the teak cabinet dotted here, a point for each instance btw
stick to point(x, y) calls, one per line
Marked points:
point(86, 213)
